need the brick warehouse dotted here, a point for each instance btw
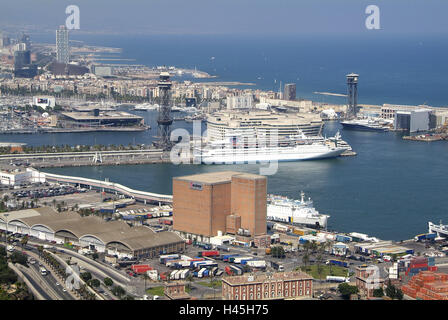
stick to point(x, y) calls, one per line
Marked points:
point(281, 285)
point(206, 204)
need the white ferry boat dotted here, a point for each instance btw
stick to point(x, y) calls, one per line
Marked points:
point(145, 107)
point(283, 209)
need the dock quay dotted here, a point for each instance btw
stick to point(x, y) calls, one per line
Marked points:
point(427, 137)
point(67, 159)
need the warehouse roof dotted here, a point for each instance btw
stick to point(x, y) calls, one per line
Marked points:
point(135, 238)
point(111, 115)
point(218, 177)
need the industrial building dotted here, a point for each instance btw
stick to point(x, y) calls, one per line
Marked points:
point(113, 237)
point(415, 120)
point(97, 118)
point(289, 92)
point(280, 285)
point(13, 176)
point(210, 204)
point(44, 101)
point(245, 101)
point(62, 45)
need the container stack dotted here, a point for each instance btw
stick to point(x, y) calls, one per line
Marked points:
point(418, 264)
point(427, 285)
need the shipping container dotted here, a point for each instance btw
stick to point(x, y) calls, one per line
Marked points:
point(210, 253)
point(201, 272)
point(257, 263)
point(239, 259)
point(140, 268)
point(163, 258)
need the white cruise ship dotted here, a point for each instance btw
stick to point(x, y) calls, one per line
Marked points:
point(145, 107)
point(283, 209)
point(233, 151)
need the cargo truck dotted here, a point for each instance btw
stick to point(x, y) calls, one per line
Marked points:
point(257, 264)
point(277, 266)
point(226, 257)
point(140, 268)
point(237, 270)
point(223, 248)
point(337, 279)
point(163, 258)
point(209, 253)
point(338, 263)
point(239, 259)
point(427, 236)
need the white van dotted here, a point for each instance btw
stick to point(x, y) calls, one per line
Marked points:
point(43, 271)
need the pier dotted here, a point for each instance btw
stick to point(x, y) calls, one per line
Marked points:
point(88, 158)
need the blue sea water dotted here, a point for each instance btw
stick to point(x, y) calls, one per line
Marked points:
point(390, 189)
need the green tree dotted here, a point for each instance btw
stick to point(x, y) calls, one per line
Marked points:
point(95, 283)
point(24, 241)
point(108, 282)
point(399, 294)
point(118, 291)
point(390, 290)
point(86, 276)
point(18, 257)
point(347, 290)
point(306, 260)
point(378, 293)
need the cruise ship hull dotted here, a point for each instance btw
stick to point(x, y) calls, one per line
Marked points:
point(286, 215)
point(320, 222)
point(361, 127)
point(260, 157)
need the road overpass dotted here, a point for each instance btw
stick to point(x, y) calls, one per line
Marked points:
point(107, 186)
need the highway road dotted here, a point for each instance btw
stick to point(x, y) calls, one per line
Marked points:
point(36, 283)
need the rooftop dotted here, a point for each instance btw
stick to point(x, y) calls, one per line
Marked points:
point(262, 118)
point(260, 278)
point(218, 177)
point(135, 238)
point(110, 115)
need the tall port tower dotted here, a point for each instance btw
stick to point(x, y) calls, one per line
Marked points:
point(164, 120)
point(352, 94)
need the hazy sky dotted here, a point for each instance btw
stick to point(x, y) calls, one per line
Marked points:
point(270, 17)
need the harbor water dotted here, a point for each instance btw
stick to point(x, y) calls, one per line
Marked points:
point(391, 189)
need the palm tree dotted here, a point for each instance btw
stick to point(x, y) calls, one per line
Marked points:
point(145, 277)
point(306, 260)
point(24, 241)
point(40, 249)
point(319, 260)
point(189, 279)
